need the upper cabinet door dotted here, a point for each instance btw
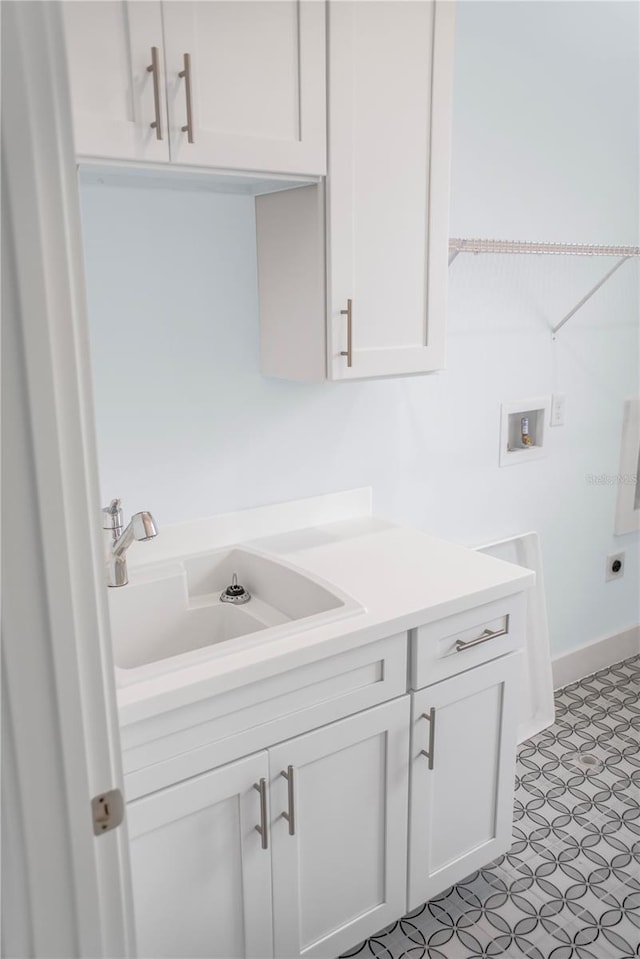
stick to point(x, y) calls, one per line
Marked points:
point(390, 83)
point(115, 97)
point(247, 81)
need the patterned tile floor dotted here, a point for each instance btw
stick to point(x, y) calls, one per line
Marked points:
point(569, 887)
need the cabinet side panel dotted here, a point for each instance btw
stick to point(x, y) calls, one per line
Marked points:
point(290, 237)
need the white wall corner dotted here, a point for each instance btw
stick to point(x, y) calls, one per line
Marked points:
point(587, 659)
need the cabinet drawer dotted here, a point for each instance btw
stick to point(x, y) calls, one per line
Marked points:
point(467, 639)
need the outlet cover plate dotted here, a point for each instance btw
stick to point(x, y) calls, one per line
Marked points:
point(558, 405)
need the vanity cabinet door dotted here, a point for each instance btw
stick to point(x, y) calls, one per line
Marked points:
point(463, 749)
point(255, 86)
point(109, 47)
point(339, 859)
point(201, 877)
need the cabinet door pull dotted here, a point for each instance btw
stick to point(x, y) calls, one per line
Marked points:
point(290, 816)
point(348, 352)
point(431, 719)
point(482, 638)
point(261, 787)
point(186, 73)
point(154, 68)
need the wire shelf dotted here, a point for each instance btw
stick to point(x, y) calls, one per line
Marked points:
point(460, 245)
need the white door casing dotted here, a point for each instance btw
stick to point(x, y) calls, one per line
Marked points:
point(73, 897)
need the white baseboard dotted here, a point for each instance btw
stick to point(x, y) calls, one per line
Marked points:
point(587, 659)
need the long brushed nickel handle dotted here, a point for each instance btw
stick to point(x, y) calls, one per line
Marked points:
point(483, 638)
point(186, 73)
point(263, 827)
point(154, 68)
point(290, 816)
point(431, 719)
point(349, 351)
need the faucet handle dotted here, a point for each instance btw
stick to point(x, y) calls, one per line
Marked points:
point(112, 515)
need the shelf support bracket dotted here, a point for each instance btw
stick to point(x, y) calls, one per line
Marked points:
point(584, 299)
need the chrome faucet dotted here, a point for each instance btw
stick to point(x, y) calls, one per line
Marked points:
point(117, 541)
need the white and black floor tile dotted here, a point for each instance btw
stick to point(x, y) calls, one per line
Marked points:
point(569, 887)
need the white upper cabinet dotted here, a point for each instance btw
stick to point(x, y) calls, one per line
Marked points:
point(256, 85)
point(244, 82)
point(382, 117)
point(115, 97)
point(371, 257)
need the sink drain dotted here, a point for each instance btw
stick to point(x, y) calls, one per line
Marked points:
point(584, 761)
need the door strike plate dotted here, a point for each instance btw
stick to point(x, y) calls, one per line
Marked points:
point(107, 810)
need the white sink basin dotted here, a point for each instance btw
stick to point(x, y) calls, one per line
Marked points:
point(170, 615)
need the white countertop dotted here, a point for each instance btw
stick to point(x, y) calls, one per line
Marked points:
point(401, 577)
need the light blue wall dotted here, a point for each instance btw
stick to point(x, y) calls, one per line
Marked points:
point(545, 147)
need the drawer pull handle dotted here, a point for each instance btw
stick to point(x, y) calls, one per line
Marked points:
point(186, 75)
point(290, 816)
point(431, 719)
point(483, 638)
point(349, 350)
point(154, 68)
point(262, 828)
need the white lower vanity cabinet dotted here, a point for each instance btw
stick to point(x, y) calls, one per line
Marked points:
point(325, 867)
point(463, 749)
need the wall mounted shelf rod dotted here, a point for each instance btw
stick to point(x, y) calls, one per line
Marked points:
point(458, 245)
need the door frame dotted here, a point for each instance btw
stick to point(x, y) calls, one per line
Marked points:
point(61, 743)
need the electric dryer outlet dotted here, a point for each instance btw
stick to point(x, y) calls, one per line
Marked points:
point(615, 566)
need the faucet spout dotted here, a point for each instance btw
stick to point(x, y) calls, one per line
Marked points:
point(141, 527)
point(117, 540)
